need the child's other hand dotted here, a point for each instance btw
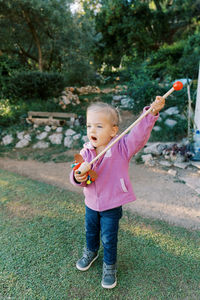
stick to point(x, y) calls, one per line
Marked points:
point(157, 105)
point(80, 177)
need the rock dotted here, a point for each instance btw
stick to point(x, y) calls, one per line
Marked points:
point(155, 148)
point(59, 129)
point(68, 97)
point(85, 139)
point(27, 137)
point(47, 128)
point(70, 132)
point(181, 165)
point(159, 119)
point(65, 99)
point(68, 141)
point(170, 123)
point(146, 158)
point(20, 135)
point(172, 172)
point(195, 164)
point(185, 142)
point(127, 102)
point(162, 115)
point(88, 90)
point(172, 111)
point(22, 143)
point(157, 128)
point(76, 122)
point(118, 98)
point(179, 158)
point(42, 135)
point(41, 145)
point(56, 138)
point(165, 163)
point(7, 139)
point(108, 90)
point(71, 122)
point(77, 136)
point(166, 156)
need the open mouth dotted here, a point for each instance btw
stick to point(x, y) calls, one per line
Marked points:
point(93, 138)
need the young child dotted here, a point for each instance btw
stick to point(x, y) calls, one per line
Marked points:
point(105, 196)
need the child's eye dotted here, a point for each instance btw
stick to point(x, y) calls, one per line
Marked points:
point(99, 126)
point(88, 126)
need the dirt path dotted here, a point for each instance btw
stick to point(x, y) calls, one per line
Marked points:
point(159, 195)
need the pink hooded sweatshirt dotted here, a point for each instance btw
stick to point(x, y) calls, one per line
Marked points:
point(113, 188)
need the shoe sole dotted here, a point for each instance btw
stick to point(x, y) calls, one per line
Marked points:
point(109, 286)
point(86, 268)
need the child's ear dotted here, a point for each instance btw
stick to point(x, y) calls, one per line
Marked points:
point(114, 130)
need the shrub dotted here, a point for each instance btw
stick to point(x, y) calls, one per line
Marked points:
point(163, 64)
point(143, 91)
point(16, 113)
point(168, 134)
point(79, 72)
point(11, 113)
point(34, 85)
point(189, 62)
point(8, 67)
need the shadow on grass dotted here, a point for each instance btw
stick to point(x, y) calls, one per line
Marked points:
point(42, 234)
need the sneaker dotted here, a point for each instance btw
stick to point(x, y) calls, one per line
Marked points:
point(109, 278)
point(85, 262)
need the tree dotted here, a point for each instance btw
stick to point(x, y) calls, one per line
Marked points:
point(136, 28)
point(43, 33)
point(128, 28)
point(28, 25)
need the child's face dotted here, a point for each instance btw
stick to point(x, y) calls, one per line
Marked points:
point(100, 130)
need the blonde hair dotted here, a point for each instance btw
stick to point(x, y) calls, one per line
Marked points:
point(111, 111)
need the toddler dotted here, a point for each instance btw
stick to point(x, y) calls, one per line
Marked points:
point(105, 196)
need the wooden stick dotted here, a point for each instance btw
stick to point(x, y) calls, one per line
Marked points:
point(85, 166)
point(129, 128)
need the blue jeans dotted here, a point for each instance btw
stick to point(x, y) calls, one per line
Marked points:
point(106, 223)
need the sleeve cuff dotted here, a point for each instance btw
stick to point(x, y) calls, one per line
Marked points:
point(150, 115)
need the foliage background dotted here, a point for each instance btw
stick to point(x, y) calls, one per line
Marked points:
point(45, 45)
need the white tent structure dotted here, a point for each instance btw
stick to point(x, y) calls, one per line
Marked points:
point(197, 108)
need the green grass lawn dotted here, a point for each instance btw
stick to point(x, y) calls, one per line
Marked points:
point(42, 236)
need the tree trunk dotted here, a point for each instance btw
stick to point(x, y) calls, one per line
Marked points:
point(197, 107)
point(36, 39)
point(157, 4)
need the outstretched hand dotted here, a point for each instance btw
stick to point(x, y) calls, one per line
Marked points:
point(157, 105)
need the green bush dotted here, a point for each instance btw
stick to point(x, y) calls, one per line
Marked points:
point(79, 72)
point(8, 67)
point(164, 63)
point(34, 85)
point(178, 60)
point(189, 62)
point(16, 113)
point(143, 91)
point(11, 113)
point(168, 134)
point(143, 88)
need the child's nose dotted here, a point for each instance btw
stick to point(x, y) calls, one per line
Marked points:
point(92, 130)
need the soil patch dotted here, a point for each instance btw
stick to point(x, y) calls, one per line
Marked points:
point(159, 195)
